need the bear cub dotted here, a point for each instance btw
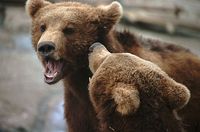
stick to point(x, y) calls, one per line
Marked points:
point(131, 94)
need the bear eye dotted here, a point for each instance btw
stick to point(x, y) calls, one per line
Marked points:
point(42, 28)
point(68, 31)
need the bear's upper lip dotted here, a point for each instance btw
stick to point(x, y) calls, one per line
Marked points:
point(53, 70)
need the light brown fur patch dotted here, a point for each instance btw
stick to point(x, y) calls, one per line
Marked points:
point(127, 98)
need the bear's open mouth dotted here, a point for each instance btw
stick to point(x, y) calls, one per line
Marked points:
point(53, 70)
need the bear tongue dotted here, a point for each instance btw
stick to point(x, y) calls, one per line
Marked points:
point(52, 68)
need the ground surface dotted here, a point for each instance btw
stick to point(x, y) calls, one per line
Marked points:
point(27, 104)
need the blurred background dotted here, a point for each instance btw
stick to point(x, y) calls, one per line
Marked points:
point(27, 104)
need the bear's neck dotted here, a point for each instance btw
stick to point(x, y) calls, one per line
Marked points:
point(78, 107)
point(77, 82)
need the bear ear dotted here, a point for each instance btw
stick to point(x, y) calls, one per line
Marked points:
point(32, 6)
point(110, 14)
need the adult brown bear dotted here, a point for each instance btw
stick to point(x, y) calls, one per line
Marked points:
point(61, 35)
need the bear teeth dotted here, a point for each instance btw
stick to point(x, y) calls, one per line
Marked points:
point(51, 75)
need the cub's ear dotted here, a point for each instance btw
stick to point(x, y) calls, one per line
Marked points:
point(32, 6)
point(109, 15)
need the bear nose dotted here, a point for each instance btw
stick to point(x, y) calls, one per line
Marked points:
point(46, 48)
point(95, 45)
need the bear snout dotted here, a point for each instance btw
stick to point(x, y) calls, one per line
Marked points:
point(94, 46)
point(46, 48)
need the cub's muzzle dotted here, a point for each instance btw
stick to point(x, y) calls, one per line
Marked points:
point(95, 45)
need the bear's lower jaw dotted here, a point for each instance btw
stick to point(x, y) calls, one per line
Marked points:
point(54, 70)
point(52, 80)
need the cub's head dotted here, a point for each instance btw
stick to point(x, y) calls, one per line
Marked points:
point(97, 54)
point(63, 32)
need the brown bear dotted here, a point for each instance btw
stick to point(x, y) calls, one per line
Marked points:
point(130, 94)
point(63, 32)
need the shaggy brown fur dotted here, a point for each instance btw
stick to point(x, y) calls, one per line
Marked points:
point(72, 27)
point(126, 88)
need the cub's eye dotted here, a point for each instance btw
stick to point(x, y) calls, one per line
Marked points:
point(42, 28)
point(68, 31)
